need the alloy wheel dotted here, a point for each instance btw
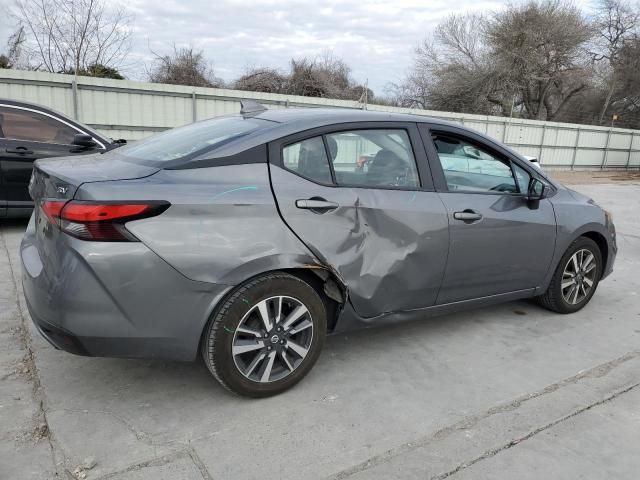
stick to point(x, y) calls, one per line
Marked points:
point(272, 339)
point(579, 276)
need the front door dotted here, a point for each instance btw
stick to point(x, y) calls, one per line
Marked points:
point(499, 242)
point(361, 198)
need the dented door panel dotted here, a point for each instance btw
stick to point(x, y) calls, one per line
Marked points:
point(388, 246)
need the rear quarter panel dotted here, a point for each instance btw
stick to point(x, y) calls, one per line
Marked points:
point(222, 227)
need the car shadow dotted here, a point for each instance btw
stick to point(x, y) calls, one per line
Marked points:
point(358, 349)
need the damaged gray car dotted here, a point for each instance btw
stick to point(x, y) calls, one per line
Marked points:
point(248, 238)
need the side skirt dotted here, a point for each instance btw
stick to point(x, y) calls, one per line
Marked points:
point(349, 320)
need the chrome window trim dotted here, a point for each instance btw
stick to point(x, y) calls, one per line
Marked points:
point(102, 146)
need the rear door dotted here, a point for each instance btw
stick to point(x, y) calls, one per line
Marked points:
point(378, 224)
point(25, 136)
point(499, 242)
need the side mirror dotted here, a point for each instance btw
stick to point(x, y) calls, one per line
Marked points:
point(536, 190)
point(82, 140)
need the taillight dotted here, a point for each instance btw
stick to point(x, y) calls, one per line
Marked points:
point(99, 222)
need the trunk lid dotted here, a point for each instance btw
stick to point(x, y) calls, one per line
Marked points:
point(60, 178)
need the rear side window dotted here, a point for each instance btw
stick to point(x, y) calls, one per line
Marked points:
point(191, 140)
point(373, 158)
point(19, 124)
point(359, 158)
point(309, 159)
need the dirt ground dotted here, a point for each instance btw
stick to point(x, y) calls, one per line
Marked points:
point(583, 177)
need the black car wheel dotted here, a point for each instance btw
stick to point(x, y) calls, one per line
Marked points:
point(266, 336)
point(575, 279)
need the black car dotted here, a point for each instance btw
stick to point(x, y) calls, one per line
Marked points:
point(29, 132)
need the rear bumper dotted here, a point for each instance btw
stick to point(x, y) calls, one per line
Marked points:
point(112, 299)
point(57, 337)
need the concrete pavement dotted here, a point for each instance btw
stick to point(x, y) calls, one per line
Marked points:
point(503, 392)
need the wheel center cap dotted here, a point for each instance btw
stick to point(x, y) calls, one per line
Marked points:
point(275, 339)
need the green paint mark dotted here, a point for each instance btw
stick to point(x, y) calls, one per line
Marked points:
point(228, 330)
point(238, 189)
point(246, 301)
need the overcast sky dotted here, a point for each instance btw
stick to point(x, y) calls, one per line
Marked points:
point(375, 37)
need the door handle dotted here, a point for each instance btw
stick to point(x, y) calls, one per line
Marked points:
point(20, 150)
point(467, 215)
point(317, 205)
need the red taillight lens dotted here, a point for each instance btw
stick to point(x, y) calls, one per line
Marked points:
point(100, 222)
point(52, 209)
point(89, 212)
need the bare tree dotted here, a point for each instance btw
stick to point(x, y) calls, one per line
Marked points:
point(325, 76)
point(15, 49)
point(541, 47)
point(527, 59)
point(268, 80)
point(71, 35)
point(454, 70)
point(184, 67)
point(617, 24)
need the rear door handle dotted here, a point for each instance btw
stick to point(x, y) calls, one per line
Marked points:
point(318, 205)
point(20, 150)
point(467, 216)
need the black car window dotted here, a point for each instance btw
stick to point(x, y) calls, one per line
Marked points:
point(309, 159)
point(470, 168)
point(19, 124)
point(373, 158)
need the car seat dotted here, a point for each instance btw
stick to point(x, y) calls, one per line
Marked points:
point(313, 161)
point(387, 169)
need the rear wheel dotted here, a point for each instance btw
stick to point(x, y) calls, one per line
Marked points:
point(575, 279)
point(266, 336)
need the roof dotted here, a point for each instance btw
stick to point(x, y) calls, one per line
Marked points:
point(290, 121)
point(328, 116)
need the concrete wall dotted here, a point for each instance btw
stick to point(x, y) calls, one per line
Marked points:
point(134, 110)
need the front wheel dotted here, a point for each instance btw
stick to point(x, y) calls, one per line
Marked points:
point(575, 279)
point(266, 336)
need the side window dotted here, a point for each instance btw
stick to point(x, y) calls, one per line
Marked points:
point(25, 125)
point(373, 158)
point(470, 168)
point(309, 159)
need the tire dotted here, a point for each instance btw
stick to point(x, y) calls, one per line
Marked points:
point(244, 373)
point(554, 299)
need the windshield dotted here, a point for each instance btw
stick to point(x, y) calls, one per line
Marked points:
point(191, 140)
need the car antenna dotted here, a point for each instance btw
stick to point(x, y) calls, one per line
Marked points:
point(251, 106)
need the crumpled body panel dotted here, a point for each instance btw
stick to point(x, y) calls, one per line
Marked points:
point(388, 246)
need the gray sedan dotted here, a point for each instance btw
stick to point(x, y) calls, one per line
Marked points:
point(249, 237)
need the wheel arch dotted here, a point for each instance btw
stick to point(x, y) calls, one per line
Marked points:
point(329, 287)
point(325, 282)
point(601, 241)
